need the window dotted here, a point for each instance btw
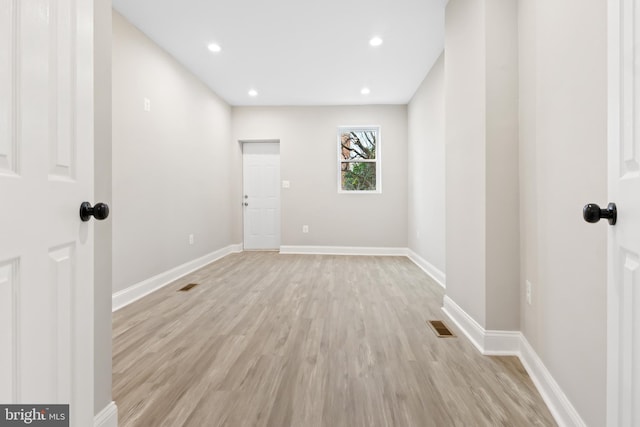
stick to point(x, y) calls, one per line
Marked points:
point(359, 159)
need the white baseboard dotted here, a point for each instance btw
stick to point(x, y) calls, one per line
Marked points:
point(435, 273)
point(502, 343)
point(108, 417)
point(133, 293)
point(514, 343)
point(559, 405)
point(467, 324)
point(342, 250)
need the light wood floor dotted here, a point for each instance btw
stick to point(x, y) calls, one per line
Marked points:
point(305, 341)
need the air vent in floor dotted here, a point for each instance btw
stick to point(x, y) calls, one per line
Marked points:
point(441, 330)
point(188, 287)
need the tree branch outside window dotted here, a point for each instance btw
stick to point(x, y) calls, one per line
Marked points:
point(359, 159)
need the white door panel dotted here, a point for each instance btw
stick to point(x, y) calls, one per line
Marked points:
point(254, 221)
point(8, 332)
point(7, 85)
point(261, 176)
point(61, 282)
point(623, 372)
point(46, 171)
point(270, 179)
point(269, 222)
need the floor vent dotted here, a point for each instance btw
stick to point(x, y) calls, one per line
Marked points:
point(441, 330)
point(188, 287)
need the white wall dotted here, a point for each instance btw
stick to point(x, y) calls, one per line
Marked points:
point(465, 132)
point(171, 165)
point(102, 193)
point(502, 176)
point(426, 167)
point(482, 242)
point(562, 167)
point(308, 150)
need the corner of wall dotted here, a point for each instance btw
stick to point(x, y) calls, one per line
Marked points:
point(514, 343)
point(426, 173)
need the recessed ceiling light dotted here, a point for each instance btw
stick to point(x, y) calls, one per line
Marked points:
point(376, 41)
point(213, 47)
point(365, 91)
point(253, 92)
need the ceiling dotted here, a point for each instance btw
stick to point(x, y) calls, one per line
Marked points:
point(298, 52)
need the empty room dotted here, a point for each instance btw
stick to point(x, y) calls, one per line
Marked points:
point(319, 214)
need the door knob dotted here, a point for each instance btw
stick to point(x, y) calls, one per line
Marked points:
point(592, 213)
point(100, 211)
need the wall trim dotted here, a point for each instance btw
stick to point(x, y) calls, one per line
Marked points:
point(467, 324)
point(434, 272)
point(502, 343)
point(514, 343)
point(343, 250)
point(558, 402)
point(274, 140)
point(139, 290)
point(108, 417)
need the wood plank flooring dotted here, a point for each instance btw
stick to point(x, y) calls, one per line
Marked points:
point(305, 341)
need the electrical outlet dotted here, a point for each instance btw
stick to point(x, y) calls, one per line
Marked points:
point(191, 239)
point(286, 184)
point(528, 292)
point(305, 228)
point(147, 104)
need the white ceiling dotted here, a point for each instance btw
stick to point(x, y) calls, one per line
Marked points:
point(298, 52)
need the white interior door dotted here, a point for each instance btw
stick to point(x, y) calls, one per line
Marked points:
point(261, 198)
point(623, 307)
point(46, 171)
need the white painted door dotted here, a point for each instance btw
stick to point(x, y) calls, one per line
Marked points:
point(46, 171)
point(261, 198)
point(623, 307)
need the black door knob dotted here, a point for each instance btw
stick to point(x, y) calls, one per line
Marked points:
point(592, 213)
point(100, 211)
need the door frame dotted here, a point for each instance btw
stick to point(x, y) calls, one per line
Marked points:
point(620, 28)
